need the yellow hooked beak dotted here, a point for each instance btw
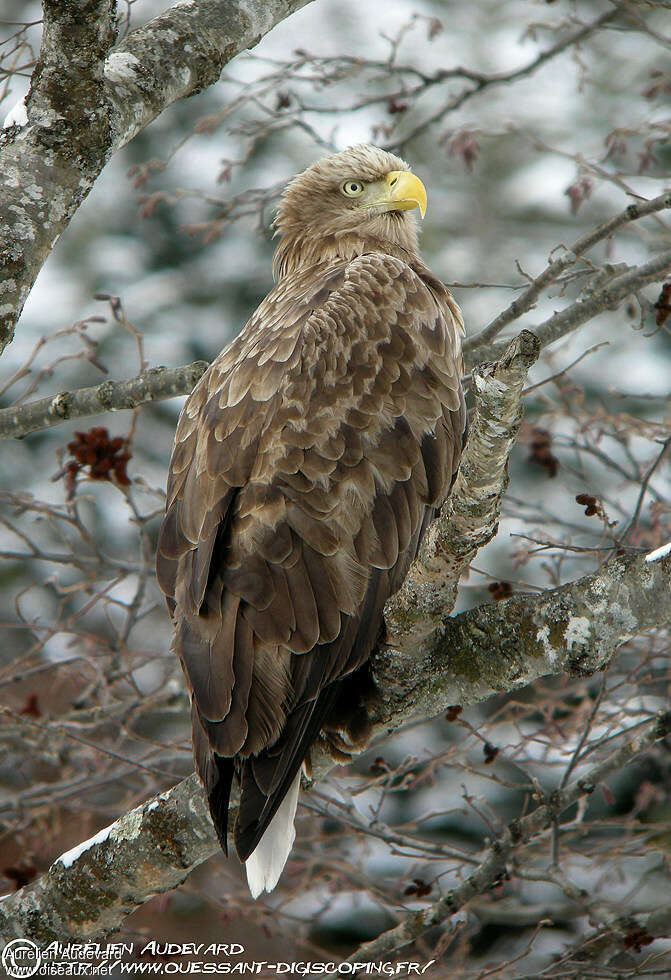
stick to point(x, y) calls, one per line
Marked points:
point(405, 191)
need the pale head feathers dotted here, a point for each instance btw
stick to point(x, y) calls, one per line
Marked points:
point(316, 222)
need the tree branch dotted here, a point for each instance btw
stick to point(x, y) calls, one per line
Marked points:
point(527, 300)
point(155, 384)
point(564, 322)
point(181, 52)
point(86, 101)
point(482, 82)
point(519, 832)
point(576, 628)
point(55, 157)
point(470, 517)
point(153, 848)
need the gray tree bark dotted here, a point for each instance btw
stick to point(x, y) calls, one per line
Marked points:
point(87, 99)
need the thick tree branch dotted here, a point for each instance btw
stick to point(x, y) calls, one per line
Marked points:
point(498, 647)
point(471, 516)
point(181, 52)
point(155, 384)
point(86, 101)
point(494, 648)
point(48, 165)
point(149, 850)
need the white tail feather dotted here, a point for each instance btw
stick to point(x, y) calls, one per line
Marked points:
point(266, 862)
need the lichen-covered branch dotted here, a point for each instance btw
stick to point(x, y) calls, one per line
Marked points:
point(90, 890)
point(86, 100)
point(153, 385)
point(471, 515)
point(494, 648)
point(49, 164)
point(181, 52)
point(516, 834)
point(498, 647)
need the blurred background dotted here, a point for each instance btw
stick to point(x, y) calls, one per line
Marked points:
point(163, 264)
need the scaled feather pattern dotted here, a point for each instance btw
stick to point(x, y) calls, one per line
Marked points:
point(307, 464)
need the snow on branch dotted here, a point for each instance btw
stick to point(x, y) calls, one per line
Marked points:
point(181, 52)
point(497, 647)
point(89, 890)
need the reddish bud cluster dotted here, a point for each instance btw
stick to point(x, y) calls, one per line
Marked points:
point(663, 305)
point(590, 503)
point(578, 192)
point(103, 457)
point(464, 144)
point(540, 453)
point(419, 888)
point(453, 712)
point(637, 939)
point(394, 107)
point(141, 172)
point(500, 590)
point(31, 707)
point(379, 767)
point(149, 203)
point(435, 28)
point(20, 873)
point(661, 84)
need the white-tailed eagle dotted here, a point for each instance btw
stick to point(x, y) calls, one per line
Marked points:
point(308, 462)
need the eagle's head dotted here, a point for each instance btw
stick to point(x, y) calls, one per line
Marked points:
point(345, 204)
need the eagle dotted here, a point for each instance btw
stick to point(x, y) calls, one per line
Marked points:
point(308, 462)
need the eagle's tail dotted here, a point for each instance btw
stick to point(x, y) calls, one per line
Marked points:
point(266, 862)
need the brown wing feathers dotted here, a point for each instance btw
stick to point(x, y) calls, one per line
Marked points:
point(307, 463)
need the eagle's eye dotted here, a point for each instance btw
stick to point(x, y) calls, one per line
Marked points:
point(352, 188)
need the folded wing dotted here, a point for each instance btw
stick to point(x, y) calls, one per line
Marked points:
point(307, 464)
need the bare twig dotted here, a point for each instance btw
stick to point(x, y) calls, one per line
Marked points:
point(557, 266)
point(517, 834)
point(562, 323)
point(485, 81)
